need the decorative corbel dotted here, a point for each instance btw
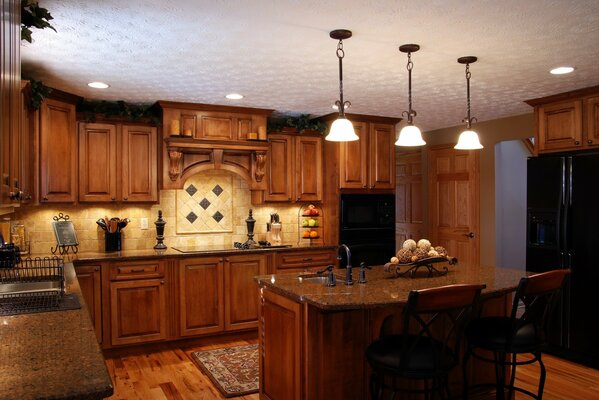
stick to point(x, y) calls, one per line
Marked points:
point(260, 160)
point(174, 164)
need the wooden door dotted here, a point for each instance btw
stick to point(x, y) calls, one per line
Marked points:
point(241, 291)
point(353, 160)
point(89, 278)
point(201, 296)
point(139, 164)
point(381, 165)
point(137, 311)
point(454, 201)
point(308, 168)
point(560, 125)
point(591, 109)
point(409, 203)
point(97, 162)
point(280, 168)
point(58, 152)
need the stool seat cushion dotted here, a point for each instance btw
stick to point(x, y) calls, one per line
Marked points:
point(384, 354)
point(493, 333)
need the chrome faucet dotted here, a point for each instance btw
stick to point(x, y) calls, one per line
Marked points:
point(348, 277)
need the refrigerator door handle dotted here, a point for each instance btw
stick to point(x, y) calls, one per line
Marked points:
point(563, 193)
point(570, 172)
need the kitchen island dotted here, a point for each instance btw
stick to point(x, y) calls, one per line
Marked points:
point(52, 355)
point(313, 338)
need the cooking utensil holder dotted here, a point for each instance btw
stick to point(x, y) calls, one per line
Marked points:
point(112, 241)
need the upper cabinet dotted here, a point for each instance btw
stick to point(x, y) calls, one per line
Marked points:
point(294, 168)
point(58, 151)
point(368, 163)
point(567, 121)
point(117, 163)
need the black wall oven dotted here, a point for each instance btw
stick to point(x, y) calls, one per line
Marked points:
point(367, 226)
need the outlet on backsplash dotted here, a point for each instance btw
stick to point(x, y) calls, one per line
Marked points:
point(143, 223)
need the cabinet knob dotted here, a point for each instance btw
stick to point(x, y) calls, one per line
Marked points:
point(589, 141)
point(96, 269)
point(113, 198)
point(162, 282)
point(227, 259)
point(125, 198)
point(221, 259)
point(45, 198)
point(298, 198)
point(365, 186)
point(372, 187)
point(577, 142)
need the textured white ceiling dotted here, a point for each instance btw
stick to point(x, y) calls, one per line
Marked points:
point(279, 55)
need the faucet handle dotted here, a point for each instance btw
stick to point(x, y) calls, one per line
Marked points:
point(329, 268)
point(331, 278)
point(363, 268)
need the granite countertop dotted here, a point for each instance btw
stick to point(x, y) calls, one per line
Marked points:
point(52, 355)
point(172, 252)
point(384, 288)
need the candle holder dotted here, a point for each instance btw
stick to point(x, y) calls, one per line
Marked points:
point(250, 221)
point(160, 222)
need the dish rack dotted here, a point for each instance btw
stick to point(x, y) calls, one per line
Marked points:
point(32, 285)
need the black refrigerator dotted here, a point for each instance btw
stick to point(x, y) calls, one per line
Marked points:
point(563, 232)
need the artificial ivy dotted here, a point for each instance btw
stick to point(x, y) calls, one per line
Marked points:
point(32, 15)
point(119, 109)
point(301, 123)
point(39, 92)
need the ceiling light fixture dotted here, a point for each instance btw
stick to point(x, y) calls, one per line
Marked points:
point(342, 129)
point(234, 96)
point(468, 139)
point(561, 70)
point(410, 135)
point(98, 85)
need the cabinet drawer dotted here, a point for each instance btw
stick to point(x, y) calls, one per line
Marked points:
point(136, 270)
point(305, 259)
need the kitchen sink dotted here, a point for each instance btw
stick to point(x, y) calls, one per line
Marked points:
point(316, 278)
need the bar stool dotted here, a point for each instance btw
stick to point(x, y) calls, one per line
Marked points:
point(426, 350)
point(515, 335)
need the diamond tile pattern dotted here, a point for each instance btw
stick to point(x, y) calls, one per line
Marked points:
point(206, 203)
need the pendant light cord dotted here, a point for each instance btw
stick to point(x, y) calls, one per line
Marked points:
point(468, 118)
point(409, 67)
point(340, 55)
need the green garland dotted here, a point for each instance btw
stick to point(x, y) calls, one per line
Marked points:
point(301, 123)
point(32, 15)
point(119, 109)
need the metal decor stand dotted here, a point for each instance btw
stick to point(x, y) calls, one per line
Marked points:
point(425, 263)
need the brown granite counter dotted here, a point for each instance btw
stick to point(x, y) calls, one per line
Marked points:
point(52, 355)
point(172, 252)
point(384, 288)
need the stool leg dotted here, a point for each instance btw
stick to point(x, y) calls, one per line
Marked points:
point(513, 377)
point(499, 374)
point(374, 388)
point(465, 373)
point(542, 379)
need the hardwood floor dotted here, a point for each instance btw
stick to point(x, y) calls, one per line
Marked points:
point(168, 373)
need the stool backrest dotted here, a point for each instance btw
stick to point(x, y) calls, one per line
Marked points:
point(538, 293)
point(440, 314)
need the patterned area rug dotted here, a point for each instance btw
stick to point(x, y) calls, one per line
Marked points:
point(234, 370)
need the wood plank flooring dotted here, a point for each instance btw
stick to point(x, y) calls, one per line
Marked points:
point(169, 373)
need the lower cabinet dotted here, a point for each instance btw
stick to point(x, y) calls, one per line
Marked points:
point(137, 303)
point(304, 260)
point(241, 291)
point(90, 278)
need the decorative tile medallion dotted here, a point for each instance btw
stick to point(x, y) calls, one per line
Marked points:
point(205, 204)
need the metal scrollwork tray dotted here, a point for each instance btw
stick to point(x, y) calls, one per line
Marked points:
point(411, 269)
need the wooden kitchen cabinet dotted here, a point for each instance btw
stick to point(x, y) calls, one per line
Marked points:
point(117, 163)
point(302, 260)
point(368, 163)
point(241, 292)
point(58, 152)
point(294, 168)
point(567, 121)
point(137, 302)
point(90, 278)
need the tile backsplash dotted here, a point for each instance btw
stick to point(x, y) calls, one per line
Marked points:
point(208, 227)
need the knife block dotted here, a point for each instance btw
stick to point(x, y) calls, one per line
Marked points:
point(112, 241)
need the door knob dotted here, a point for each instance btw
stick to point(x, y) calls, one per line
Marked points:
point(469, 235)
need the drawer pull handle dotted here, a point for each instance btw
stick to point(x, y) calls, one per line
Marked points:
point(308, 259)
point(131, 270)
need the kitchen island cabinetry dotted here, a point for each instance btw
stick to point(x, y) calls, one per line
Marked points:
point(89, 276)
point(304, 260)
point(137, 302)
point(294, 168)
point(567, 121)
point(117, 163)
point(327, 329)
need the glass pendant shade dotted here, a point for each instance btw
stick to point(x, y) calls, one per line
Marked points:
point(410, 136)
point(468, 140)
point(342, 130)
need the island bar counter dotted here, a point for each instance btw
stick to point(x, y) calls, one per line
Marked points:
point(313, 338)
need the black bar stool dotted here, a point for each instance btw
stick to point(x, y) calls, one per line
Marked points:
point(433, 322)
point(515, 335)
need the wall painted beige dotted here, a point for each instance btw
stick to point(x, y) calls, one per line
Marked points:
point(490, 133)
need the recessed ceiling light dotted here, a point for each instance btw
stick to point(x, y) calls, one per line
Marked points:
point(234, 96)
point(98, 85)
point(561, 70)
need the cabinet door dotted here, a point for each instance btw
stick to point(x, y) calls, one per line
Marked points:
point(201, 296)
point(89, 277)
point(58, 152)
point(137, 311)
point(241, 291)
point(591, 109)
point(302, 260)
point(97, 162)
point(280, 168)
point(139, 169)
point(308, 168)
point(409, 220)
point(381, 173)
point(560, 125)
point(217, 126)
point(353, 160)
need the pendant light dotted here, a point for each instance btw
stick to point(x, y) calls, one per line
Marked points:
point(410, 135)
point(342, 129)
point(468, 139)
